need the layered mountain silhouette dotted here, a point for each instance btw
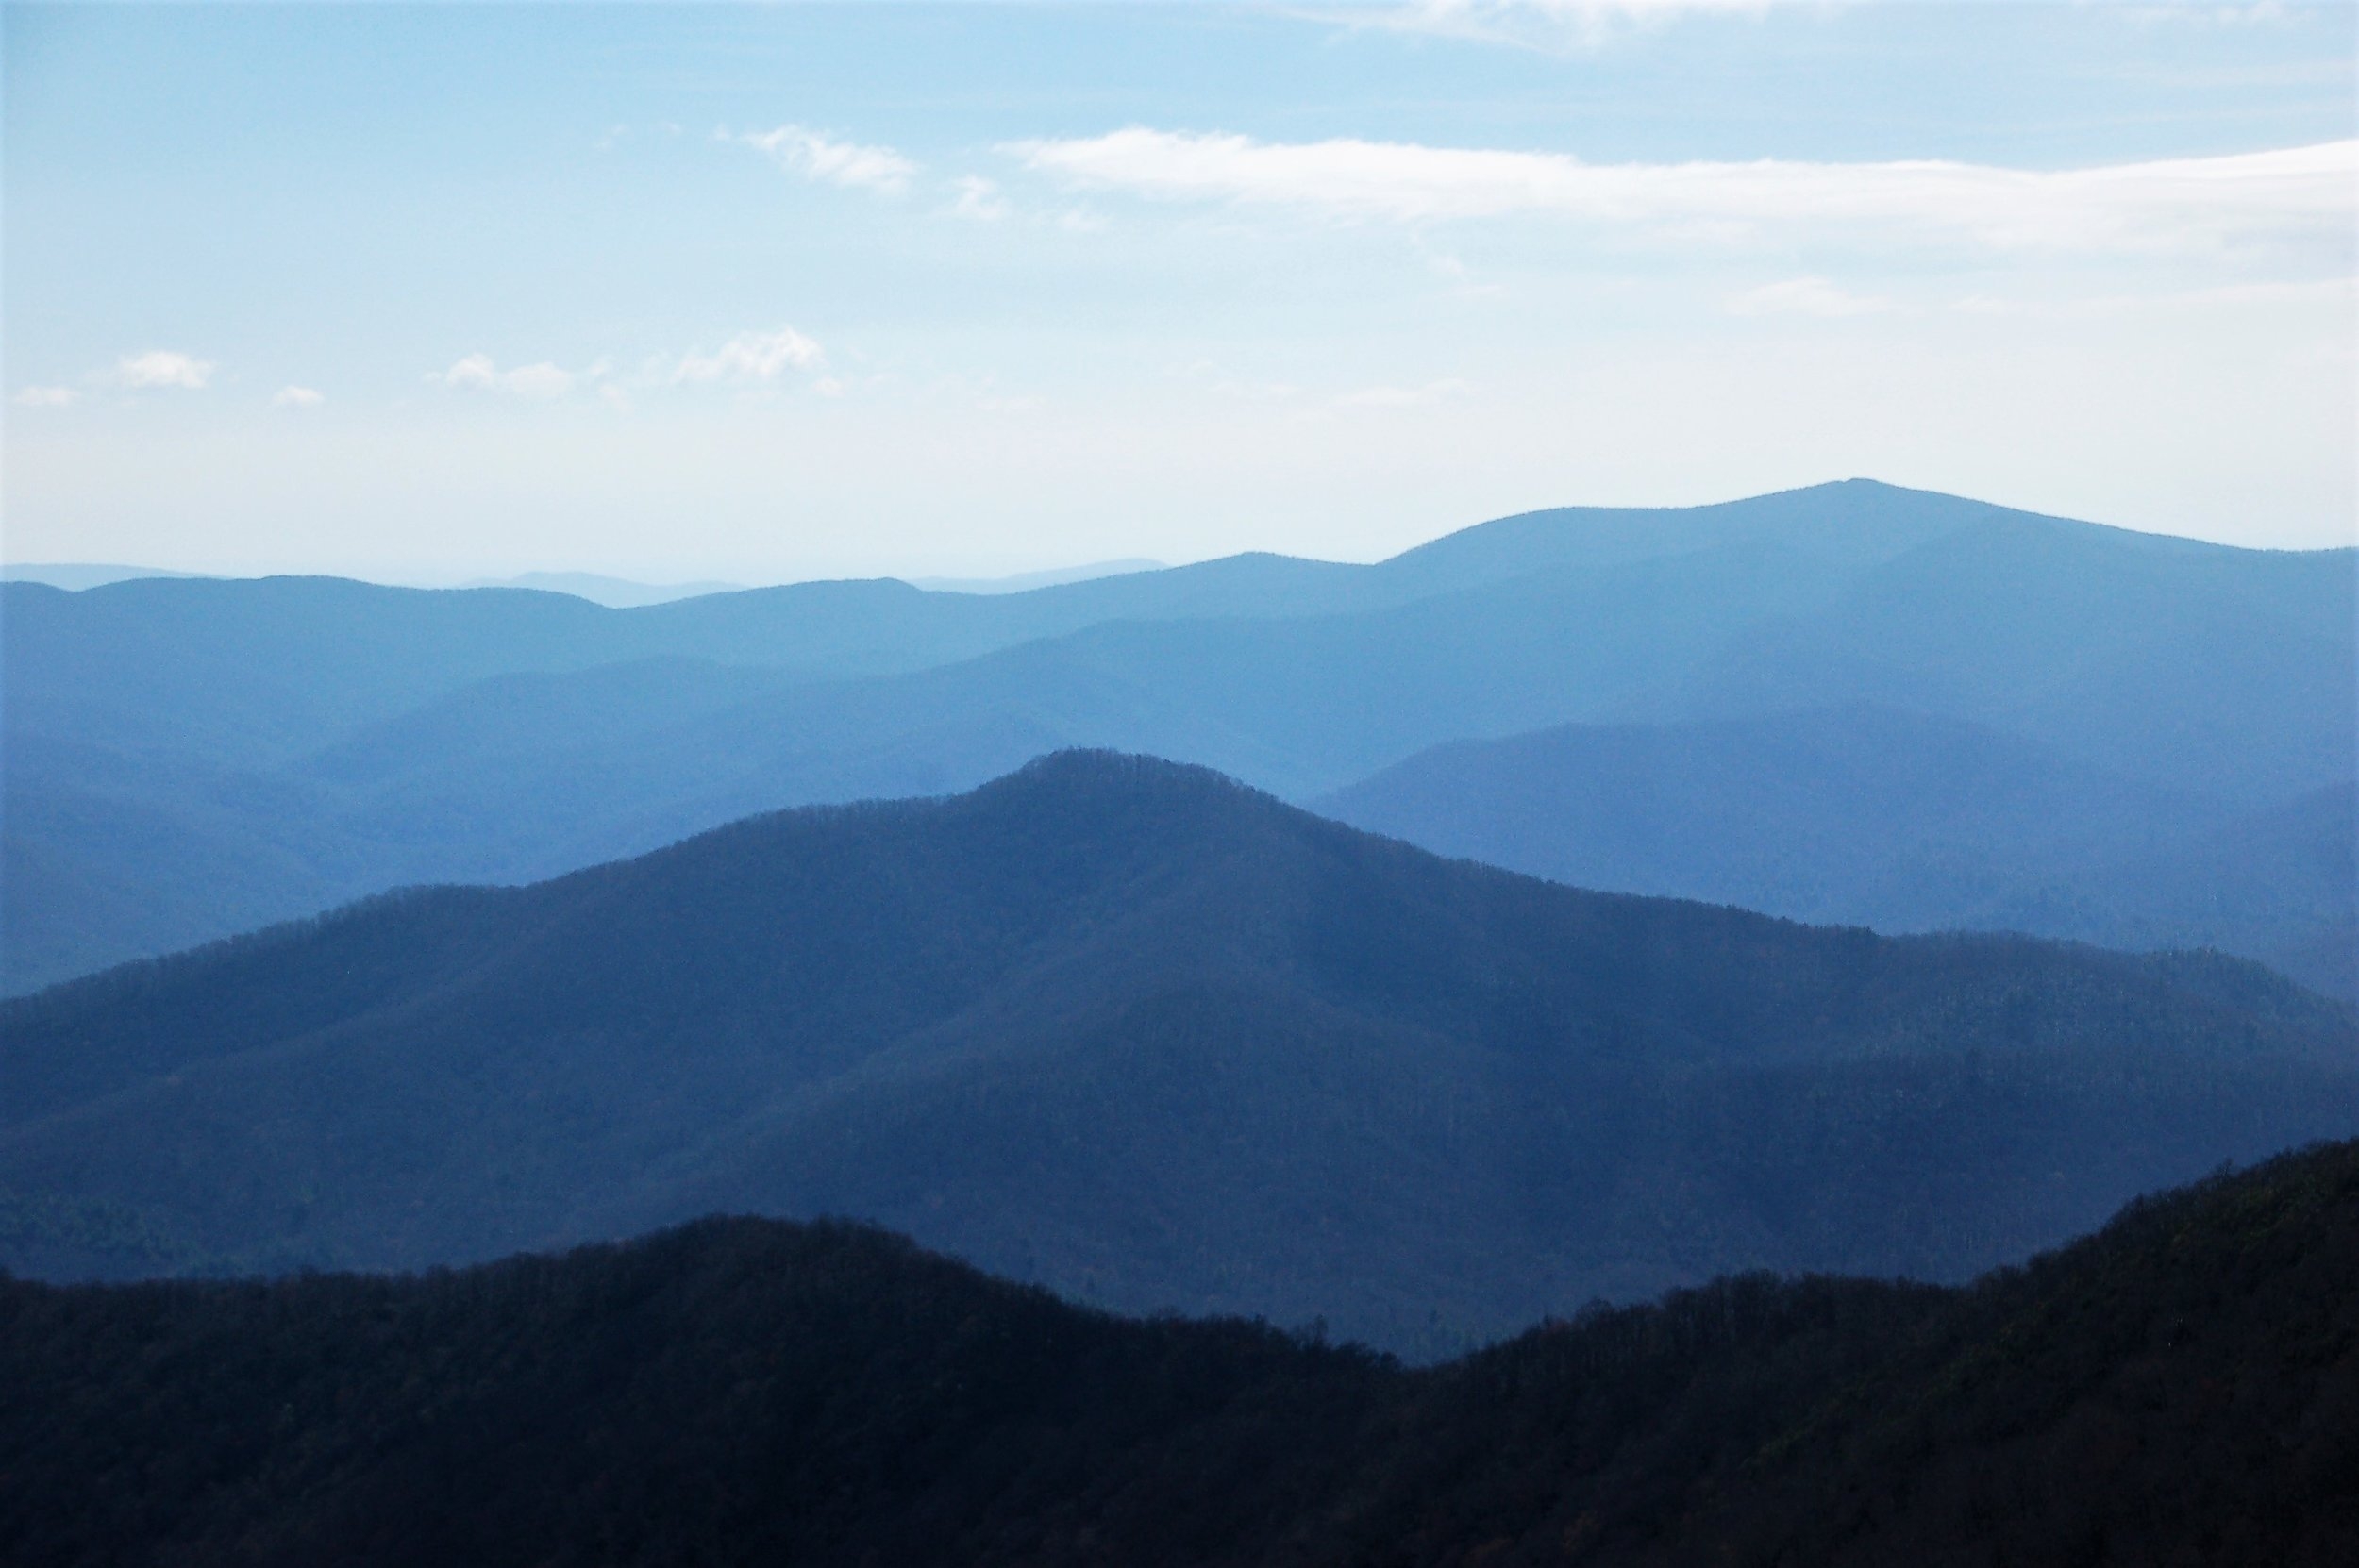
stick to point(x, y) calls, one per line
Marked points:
point(2182, 1386)
point(1877, 816)
point(189, 758)
point(1130, 1029)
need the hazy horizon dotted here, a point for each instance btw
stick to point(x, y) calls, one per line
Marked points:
point(554, 579)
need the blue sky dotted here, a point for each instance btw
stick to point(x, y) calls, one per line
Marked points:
point(427, 293)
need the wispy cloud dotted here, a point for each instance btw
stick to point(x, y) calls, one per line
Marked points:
point(478, 371)
point(753, 356)
point(297, 397)
point(156, 370)
point(1807, 296)
point(1553, 27)
point(816, 156)
point(1461, 278)
point(980, 199)
point(1405, 397)
point(617, 135)
point(749, 358)
point(1254, 391)
point(159, 368)
point(2306, 294)
point(1215, 378)
point(2297, 195)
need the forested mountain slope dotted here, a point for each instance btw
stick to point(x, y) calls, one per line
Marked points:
point(307, 742)
point(2228, 671)
point(2182, 1387)
point(2279, 884)
point(1130, 1029)
point(1877, 816)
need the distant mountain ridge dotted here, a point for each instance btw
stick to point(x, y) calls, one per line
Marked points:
point(2184, 1381)
point(300, 742)
point(1130, 1029)
point(613, 593)
point(1053, 576)
point(171, 626)
point(76, 576)
point(1877, 816)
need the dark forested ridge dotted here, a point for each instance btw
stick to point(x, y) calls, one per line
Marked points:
point(190, 758)
point(2180, 1388)
point(1130, 1029)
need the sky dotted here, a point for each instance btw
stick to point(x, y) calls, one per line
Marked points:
point(430, 293)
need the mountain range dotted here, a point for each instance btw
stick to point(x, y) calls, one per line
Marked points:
point(187, 759)
point(1135, 1031)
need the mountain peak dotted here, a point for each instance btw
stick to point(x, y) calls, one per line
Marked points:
point(1103, 768)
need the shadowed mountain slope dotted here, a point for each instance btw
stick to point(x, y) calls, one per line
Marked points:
point(2182, 1387)
point(1130, 1029)
point(1890, 819)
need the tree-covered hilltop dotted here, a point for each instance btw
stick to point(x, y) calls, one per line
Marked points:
point(1133, 1031)
point(2182, 1387)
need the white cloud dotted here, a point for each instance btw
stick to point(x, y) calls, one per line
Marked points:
point(297, 397)
point(46, 397)
point(751, 358)
point(2296, 195)
point(754, 357)
point(1405, 397)
point(161, 367)
point(980, 199)
point(537, 381)
point(475, 370)
point(1806, 296)
point(819, 157)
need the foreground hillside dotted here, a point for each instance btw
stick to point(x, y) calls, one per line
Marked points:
point(190, 759)
point(2182, 1386)
point(1132, 1030)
